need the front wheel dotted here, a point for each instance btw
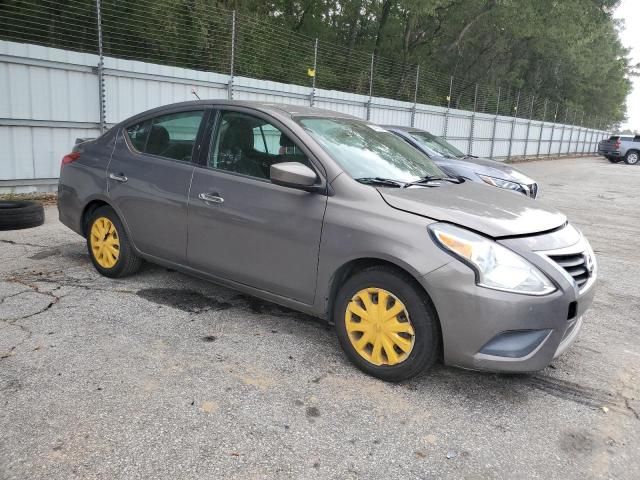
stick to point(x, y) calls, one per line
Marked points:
point(386, 324)
point(632, 157)
point(108, 244)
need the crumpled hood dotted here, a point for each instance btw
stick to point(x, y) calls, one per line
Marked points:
point(492, 211)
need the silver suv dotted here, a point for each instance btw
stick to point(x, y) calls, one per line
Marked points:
point(617, 148)
point(338, 218)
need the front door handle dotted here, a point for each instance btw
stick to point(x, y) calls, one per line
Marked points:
point(118, 178)
point(211, 198)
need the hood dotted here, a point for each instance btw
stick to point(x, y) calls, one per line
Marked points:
point(492, 211)
point(483, 166)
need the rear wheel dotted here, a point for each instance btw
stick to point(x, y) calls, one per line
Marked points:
point(613, 159)
point(108, 244)
point(632, 157)
point(386, 324)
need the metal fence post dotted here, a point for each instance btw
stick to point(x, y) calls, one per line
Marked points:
point(526, 140)
point(585, 134)
point(446, 113)
point(370, 88)
point(473, 121)
point(553, 130)
point(576, 124)
point(575, 116)
point(233, 55)
point(101, 89)
point(564, 125)
point(495, 122)
point(593, 131)
point(571, 134)
point(513, 125)
point(312, 100)
point(544, 116)
point(415, 98)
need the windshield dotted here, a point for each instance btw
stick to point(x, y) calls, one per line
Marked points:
point(436, 144)
point(368, 151)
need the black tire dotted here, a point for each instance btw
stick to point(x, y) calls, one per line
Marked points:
point(426, 347)
point(613, 159)
point(632, 157)
point(127, 262)
point(16, 215)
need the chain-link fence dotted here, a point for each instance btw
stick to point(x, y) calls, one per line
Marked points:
point(198, 36)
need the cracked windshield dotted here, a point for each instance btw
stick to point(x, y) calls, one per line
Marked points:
point(368, 151)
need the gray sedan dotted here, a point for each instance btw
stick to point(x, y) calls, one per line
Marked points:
point(338, 218)
point(456, 163)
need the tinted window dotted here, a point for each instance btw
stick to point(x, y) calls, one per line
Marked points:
point(367, 151)
point(249, 145)
point(138, 134)
point(171, 136)
point(436, 144)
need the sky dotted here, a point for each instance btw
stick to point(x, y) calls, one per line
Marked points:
point(630, 11)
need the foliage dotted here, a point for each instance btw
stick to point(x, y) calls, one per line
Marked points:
point(553, 51)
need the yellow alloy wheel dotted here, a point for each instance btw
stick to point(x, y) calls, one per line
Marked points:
point(379, 327)
point(105, 243)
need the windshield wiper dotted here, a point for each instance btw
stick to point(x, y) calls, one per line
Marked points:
point(432, 178)
point(381, 181)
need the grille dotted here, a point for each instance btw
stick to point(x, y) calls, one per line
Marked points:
point(575, 264)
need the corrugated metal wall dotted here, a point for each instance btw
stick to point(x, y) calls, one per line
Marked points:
point(49, 97)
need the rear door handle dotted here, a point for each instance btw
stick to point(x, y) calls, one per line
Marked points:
point(211, 198)
point(118, 178)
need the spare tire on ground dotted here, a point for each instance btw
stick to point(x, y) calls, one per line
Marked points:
point(16, 215)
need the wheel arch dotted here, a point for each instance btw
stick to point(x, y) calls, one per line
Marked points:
point(99, 202)
point(88, 210)
point(353, 266)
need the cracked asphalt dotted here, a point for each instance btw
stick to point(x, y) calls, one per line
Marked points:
point(165, 376)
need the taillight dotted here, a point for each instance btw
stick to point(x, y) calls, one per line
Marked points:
point(70, 157)
point(617, 145)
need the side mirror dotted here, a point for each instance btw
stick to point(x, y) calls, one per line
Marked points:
point(294, 175)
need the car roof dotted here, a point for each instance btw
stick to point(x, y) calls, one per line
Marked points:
point(266, 107)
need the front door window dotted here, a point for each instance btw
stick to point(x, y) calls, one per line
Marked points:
point(250, 145)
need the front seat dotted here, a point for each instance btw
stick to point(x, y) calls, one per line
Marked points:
point(158, 141)
point(237, 152)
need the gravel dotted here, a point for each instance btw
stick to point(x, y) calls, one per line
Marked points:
point(165, 376)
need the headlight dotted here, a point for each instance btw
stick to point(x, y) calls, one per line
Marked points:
point(496, 266)
point(499, 182)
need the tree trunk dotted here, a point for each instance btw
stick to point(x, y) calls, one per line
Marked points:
point(384, 16)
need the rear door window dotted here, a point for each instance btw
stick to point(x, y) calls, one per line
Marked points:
point(138, 134)
point(170, 136)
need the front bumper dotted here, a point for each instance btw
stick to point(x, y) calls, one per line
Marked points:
point(486, 329)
